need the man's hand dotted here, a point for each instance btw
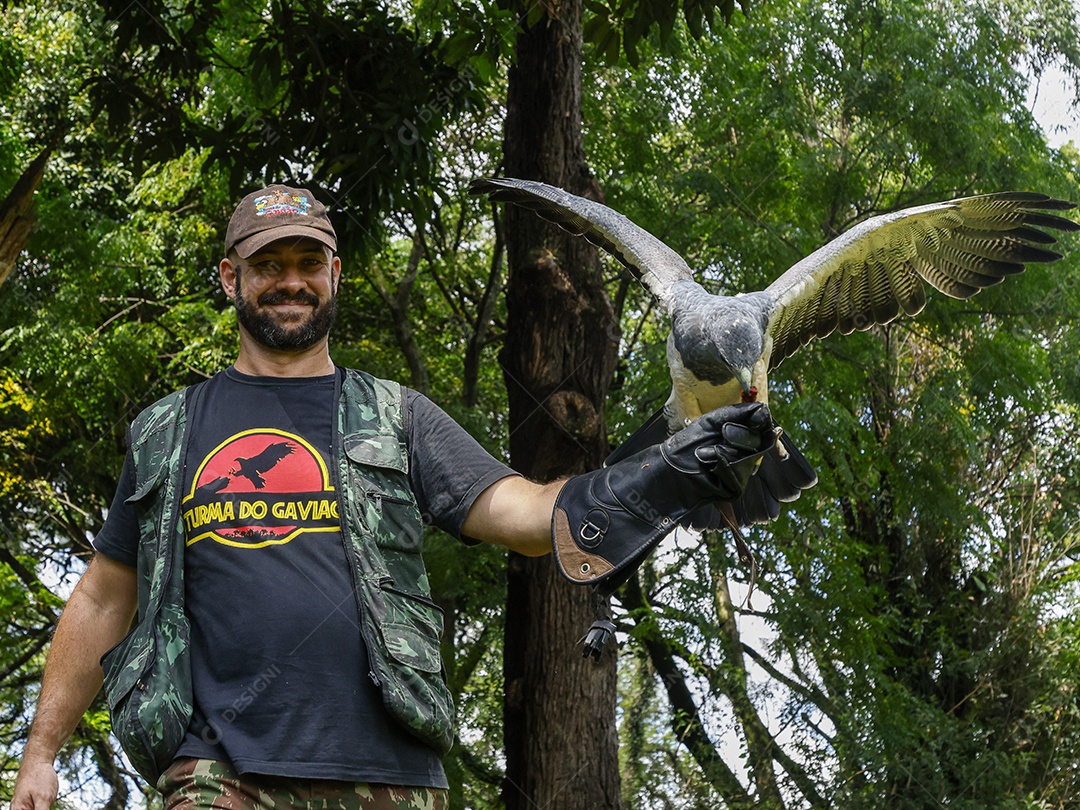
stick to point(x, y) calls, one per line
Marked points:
point(36, 785)
point(720, 449)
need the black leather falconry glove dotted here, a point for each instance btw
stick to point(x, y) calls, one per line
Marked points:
point(609, 519)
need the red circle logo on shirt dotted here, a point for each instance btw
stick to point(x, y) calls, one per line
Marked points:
point(260, 488)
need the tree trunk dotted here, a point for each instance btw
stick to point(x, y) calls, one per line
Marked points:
point(17, 219)
point(558, 361)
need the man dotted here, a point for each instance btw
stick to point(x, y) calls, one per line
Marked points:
point(267, 531)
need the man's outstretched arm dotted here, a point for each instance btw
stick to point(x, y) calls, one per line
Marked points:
point(97, 616)
point(603, 522)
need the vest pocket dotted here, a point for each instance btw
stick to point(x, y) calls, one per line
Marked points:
point(153, 451)
point(379, 493)
point(413, 629)
point(145, 489)
point(412, 678)
point(148, 689)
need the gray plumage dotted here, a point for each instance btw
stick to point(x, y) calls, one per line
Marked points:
point(721, 348)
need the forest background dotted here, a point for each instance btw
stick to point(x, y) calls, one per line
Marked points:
point(914, 640)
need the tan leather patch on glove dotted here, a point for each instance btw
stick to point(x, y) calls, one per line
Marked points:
point(578, 565)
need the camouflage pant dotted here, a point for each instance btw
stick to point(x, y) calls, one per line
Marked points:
point(205, 784)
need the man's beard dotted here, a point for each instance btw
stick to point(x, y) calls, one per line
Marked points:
point(285, 336)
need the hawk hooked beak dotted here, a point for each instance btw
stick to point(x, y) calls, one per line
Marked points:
point(749, 392)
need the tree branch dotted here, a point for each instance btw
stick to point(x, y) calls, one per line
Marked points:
point(686, 719)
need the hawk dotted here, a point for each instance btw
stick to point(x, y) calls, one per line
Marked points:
point(721, 348)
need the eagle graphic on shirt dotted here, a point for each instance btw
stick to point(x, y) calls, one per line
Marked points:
point(260, 488)
point(251, 468)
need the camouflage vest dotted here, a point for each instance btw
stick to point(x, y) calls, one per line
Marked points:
point(148, 674)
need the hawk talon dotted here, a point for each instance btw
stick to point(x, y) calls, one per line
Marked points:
point(780, 449)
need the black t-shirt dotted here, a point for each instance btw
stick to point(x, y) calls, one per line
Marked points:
point(279, 666)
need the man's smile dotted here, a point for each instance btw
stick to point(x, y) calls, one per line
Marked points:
point(281, 299)
point(290, 307)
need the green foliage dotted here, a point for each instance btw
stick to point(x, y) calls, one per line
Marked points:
point(916, 641)
point(910, 592)
point(617, 28)
point(348, 97)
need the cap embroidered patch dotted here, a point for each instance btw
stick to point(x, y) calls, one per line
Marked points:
point(277, 212)
point(281, 203)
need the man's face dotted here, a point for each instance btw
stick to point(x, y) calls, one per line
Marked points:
point(286, 294)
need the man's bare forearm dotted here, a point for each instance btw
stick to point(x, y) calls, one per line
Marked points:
point(96, 617)
point(515, 513)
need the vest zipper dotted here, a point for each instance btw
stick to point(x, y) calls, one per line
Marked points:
point(166, 536)
point(352, 556)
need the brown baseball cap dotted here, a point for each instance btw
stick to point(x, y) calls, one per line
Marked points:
point(277, 212)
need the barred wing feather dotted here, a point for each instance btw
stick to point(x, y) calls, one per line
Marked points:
point(651, 262)
point(871, 273)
